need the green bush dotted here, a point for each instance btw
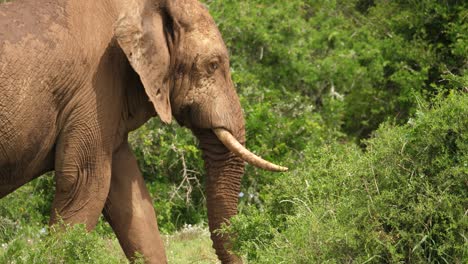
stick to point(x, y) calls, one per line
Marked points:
point(402, 200)
point(26, 208)
point(73, 246)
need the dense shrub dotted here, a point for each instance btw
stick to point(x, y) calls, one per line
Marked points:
point(75, 245)
point(403, 199)
point(26, 208)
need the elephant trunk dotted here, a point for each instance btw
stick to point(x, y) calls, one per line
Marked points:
point(224, 173)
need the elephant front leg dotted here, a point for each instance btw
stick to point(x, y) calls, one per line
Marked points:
point(82, 178)
point(129, 209)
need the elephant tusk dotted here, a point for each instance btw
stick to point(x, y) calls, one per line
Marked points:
point(233, 145)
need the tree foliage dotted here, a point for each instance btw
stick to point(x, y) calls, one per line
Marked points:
point(403, 199)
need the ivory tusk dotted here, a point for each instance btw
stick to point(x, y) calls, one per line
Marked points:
point(233, 145)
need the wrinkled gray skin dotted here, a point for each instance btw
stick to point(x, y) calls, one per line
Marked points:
point(77, 75)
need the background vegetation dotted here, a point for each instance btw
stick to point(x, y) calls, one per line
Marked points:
point(365, 100)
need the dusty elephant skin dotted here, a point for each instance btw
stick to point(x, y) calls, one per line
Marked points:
point(77, 76)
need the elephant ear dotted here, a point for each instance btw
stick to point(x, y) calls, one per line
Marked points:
point(141, 34)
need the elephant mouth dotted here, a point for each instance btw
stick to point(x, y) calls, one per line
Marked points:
point(231, 143)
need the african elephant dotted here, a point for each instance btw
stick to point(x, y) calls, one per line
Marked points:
point(76, 76)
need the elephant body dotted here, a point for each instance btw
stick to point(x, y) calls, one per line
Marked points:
point(76, 76)
point(51, 85)
point(27, 137)
point(69, 98)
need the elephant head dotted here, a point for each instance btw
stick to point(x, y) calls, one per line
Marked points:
point(178, 52)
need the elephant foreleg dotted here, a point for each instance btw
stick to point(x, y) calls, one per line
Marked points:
point(129, 209)
point(82, 175)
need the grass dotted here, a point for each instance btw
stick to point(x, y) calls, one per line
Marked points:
point(190, 245)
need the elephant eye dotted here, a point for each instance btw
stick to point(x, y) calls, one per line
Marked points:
point(213, 66)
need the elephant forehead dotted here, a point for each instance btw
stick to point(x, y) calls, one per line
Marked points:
point(206, 42)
